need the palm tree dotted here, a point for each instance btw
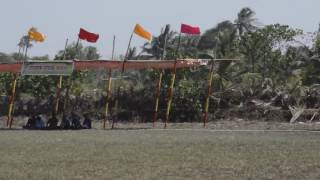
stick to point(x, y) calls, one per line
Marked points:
point(245, 21)
point(155, 48)
point(24, 44)
point(221, 39)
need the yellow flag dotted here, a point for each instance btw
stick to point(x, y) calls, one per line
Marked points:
point(34, 35)
point(142, 32)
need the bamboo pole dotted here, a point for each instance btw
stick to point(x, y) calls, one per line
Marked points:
point(156, 108)
point(127, 53)
point(159, 84)
point(116, 109)
point(109, 87)
point(108, 99)
point(14, 86)
point(69, 83)
point(209, 92)
point(173, 78)
point(12, 99)
point(66, 99)
point(120, 79)
point(113, 47)
point(170, 95)
point(59, 88)
point(13, 96)
point(58, 94)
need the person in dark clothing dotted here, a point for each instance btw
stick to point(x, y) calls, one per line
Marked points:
point(87, 122)
point(52, 122)
point(75, 124)
point(39, 123)
point(31, 124)
point(65, 123)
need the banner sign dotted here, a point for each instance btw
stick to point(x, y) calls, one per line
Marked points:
point(52, 68)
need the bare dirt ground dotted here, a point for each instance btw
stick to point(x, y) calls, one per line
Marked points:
point(232, 124)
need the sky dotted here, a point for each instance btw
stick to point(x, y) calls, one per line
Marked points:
point(61, 19)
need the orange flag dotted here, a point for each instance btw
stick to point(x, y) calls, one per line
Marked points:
point(35, 35)
point(142, 32)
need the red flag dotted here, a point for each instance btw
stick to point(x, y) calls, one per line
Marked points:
point(187, 29)
point(88, 36)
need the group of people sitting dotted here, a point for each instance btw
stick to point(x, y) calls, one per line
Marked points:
point(67, 122)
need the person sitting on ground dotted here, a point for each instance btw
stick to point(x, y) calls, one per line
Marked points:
point(65, 123)
point(39, 123)
point(87, 122)
point(52, 122)
point(31, 123)
point(75, 124)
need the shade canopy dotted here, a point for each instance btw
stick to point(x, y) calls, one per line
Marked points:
point(116, 64)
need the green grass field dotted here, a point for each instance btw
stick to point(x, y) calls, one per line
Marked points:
point(158, 154)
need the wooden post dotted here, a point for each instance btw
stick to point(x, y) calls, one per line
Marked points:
point(170, 95)
point(66, 99)
point(58, 94)
point(59, 87)
point(12, 99)
point(173, 78)
point(108, 99)
point(156, 107)
point(113, 47)
point(14, 86)
point(109, 87)
point(120, 79)
point(69, 83)
point(126, 56)
point(209, 92)
point(116, 109)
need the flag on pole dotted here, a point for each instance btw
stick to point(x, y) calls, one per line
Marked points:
point(34, 35)
point(140, 31)
point(88, 36)
point(187, 29)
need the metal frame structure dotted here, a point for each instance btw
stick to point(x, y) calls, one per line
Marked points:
point(16, 68)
